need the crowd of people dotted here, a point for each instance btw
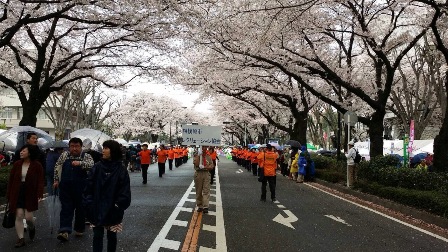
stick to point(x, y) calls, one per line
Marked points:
point(90, 192)
point(93, 188)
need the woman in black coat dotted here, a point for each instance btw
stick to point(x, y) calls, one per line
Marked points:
point(107, 195)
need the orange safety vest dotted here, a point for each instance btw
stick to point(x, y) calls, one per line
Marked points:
point(254, 157)
point(171, 154)
point(213, 155)
point(270, 163)
point(161, 156)
point(145, 156)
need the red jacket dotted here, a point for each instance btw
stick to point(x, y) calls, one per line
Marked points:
point(34, 184)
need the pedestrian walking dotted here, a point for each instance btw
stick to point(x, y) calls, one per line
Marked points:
point(145, 160)
point(170, 157)
point(162, 155)
point(25, 190)
point(202, 163)
point(106, 196)
point(284, 164)
point(70, 177)
point(214, 157)
point(270, 165)
point(31, 138)
point(351, 166)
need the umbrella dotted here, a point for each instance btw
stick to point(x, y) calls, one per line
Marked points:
point(96, 137)
point(418, 158)
point(53, 209)
point(15, 137)
point(293, 143)
point(56, 144)
point(121, 141)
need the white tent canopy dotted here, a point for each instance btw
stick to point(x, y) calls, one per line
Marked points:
point(396, 147)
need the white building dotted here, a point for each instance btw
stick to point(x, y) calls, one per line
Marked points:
point(11, 112)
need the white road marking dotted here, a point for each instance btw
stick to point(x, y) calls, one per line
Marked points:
point(384, 215)
point(338, 219)
point(221, 243)
point(286, 221)
point(161, 241)
point(219, 229)
point(239, 171)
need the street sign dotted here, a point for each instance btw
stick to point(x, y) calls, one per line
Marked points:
point(350, 117)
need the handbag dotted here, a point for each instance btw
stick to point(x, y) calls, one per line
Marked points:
point(9, 219)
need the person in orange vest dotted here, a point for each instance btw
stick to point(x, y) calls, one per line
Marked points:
point(253, 161)
point(170, 157)
point(176, 156)
point(145, 160)
point(269, 171)
point(214, 156)
point(260, 161)
point(248, 157)
point(162, 155)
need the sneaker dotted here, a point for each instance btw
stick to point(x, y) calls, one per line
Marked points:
point(200, 209)
point(20, 243)
point(205, 210)
point(144, 182)
point(63, 237)
point(274, 199)
point(264, 200)
point(79, 234)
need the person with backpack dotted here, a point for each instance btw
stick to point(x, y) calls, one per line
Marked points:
point(351, 164)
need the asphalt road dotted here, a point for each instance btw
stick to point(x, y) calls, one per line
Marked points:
point(161, 218)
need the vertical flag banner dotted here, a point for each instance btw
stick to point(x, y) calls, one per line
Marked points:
point(411, 137)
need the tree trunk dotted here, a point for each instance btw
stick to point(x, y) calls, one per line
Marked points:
point(441, 147)
point(376, 129)
point(299, 128)
point(29, 117)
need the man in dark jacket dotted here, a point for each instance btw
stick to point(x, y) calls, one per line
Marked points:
point(31, 138)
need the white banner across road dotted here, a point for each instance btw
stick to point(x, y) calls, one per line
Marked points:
point(201, 135)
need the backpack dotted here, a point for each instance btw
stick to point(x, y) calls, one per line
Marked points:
point(357, 158)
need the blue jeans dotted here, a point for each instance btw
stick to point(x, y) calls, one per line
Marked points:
point(70, 194)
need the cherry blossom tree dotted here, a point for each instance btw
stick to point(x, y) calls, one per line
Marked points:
point(105, 41)
point(420, 83)
point(353, 48)
point(145, 113)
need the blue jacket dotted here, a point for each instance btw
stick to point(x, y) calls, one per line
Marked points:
point(50, 163)
point(107, 194)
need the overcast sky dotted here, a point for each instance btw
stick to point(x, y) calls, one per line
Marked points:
point(177, 93)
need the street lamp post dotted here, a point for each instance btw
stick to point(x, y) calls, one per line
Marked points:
point(171, 141)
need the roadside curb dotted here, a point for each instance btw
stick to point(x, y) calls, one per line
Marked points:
point(406, 210)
